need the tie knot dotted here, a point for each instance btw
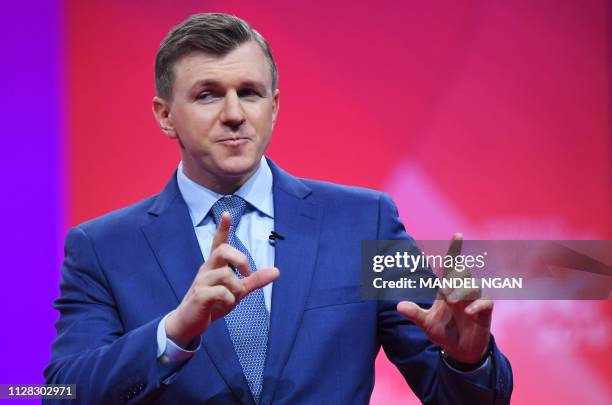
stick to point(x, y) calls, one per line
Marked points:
point(233, 204)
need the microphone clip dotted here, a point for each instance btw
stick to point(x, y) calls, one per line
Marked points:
point(274, 236)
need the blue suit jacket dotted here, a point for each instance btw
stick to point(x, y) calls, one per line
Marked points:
point(124, 271)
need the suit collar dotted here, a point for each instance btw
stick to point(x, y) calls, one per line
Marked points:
point(288, 183)
point(166, 198)
point(257, 191)
point(281, 181)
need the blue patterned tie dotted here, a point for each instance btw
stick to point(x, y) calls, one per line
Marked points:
point(248, 321)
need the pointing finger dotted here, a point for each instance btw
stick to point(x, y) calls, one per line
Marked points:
point(222, 234)
point(455, 245)
point(454, 250)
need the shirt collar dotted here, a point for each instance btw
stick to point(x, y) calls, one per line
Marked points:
point(257, 191)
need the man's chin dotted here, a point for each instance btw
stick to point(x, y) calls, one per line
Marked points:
point(238, 167)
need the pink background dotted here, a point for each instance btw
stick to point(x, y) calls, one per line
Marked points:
point(487, 117)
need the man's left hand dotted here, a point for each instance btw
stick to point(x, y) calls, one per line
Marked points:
point(459, 320)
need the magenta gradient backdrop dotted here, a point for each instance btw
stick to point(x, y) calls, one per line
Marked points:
point(488, 117)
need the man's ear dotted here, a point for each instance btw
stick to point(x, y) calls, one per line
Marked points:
point(161, 111)
point(275, 100)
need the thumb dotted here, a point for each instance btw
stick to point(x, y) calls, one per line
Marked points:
point(412, 312)
point(259, 278)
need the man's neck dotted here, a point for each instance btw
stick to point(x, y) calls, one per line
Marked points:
point(224, 186)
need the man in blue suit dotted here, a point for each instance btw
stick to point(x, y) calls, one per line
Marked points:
point(184, 298)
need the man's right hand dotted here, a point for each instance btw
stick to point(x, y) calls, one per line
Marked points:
point(216, 289)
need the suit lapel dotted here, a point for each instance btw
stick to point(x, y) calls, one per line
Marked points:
point(298, 220)
point(173, 240)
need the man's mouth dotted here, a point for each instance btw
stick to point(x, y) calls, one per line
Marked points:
point(238, 141)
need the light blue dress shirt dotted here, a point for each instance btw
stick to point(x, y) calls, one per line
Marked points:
point(253, 230)
point(255, 226)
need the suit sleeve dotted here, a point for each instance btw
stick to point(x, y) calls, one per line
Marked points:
point(417, 358)
point(92, 349)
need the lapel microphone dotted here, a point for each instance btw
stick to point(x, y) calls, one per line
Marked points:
point(274, 236)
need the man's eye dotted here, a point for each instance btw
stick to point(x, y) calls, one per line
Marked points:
point(248, 93)
point(205, 96)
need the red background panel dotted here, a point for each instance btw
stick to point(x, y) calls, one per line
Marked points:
point(488, 117)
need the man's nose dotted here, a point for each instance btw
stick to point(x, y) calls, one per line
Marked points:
point(232, 114)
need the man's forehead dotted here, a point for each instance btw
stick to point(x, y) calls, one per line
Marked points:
point(247, 62)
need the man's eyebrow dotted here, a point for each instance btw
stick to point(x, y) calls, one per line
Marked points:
point(215, 83)
point(253, 83)
point(206, 83)
point(260, 87)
